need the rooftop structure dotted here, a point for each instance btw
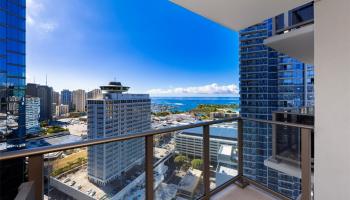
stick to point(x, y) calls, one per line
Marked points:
point(189, 183)
point(114, 87)
point(228, 133)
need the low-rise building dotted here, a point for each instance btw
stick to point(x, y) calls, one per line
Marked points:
point(190, 142)
point(189, 183)
point(223, 114)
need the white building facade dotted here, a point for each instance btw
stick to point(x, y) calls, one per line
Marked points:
point(191, 144)
point(116, 114)
point(62, 110)
point(79, 100)
point(32, 115)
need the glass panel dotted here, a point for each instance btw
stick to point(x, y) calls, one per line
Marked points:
point(275, 165)
point(108, 171)
point(302, 14)
point(279, 20)
point(223, 153)
point(178, 168)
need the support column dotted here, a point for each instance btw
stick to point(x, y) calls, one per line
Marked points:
point(332, 99)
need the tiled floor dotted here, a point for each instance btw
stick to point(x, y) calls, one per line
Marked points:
point(234, 192)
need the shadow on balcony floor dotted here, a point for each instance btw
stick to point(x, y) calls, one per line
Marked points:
point(236, 193)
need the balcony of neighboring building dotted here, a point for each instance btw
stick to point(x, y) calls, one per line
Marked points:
point(286, 142)
point(294, 33)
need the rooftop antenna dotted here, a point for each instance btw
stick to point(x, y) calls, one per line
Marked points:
point(46, 80)
point(34, 79)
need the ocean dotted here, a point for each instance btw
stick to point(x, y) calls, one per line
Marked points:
point(184, 104)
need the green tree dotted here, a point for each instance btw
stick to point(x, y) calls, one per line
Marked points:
point(197, 164)
point(180, 160)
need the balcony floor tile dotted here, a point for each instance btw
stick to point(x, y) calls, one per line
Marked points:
point(234, 192)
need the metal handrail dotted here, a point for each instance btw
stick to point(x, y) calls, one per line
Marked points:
point(86, 143)
point(294, 26)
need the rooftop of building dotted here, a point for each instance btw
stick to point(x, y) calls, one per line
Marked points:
point(84, 185)
point(55, 139)
point(227, 133)
point(63, 138)
point(226, 170)
point(225, 150)
point(190, 181)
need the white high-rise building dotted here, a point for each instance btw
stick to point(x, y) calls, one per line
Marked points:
point(94, 94)
point(116, 113)
point(32, 115)
point(79, 100)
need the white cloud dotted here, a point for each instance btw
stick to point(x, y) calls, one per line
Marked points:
point(211, 89)
point(36, 19)
point(48, 26)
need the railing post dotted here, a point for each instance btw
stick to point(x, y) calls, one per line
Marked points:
point(149, 167)
point(242, 182)
point(206, 161)
point(305, 164)
point(36, 174)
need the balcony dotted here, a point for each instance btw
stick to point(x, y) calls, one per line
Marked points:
point(238, 186)
point(294, 33)
point(296, 41)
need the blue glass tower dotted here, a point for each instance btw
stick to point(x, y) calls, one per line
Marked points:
point(67, 98)
point(259, 92)
point(270, 81)
point(12, 92)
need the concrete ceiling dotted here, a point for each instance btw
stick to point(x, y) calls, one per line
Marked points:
point(298, 43)
point(239, 14)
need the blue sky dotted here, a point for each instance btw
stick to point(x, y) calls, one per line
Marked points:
point(153, 46)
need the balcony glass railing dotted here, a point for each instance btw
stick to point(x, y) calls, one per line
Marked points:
point(83, 169)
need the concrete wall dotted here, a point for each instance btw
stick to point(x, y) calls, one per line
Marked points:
point(332, 99)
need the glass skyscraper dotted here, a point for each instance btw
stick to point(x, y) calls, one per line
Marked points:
point(259, 92)
point(67, 98)
point(269, 81)
point(12, 92)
